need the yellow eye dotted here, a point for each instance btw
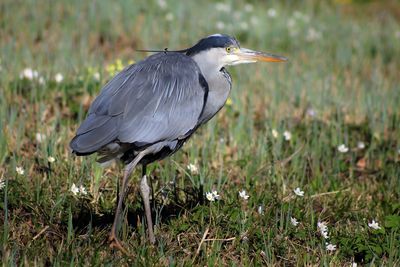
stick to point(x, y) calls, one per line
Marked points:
point(230, 49)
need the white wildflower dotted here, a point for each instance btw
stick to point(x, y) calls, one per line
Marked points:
point(287, 135)
point(260, 209)
point(271, 13)
point(41, 80)
point(300, 16)
point(248, 7)
point(220, 25)
point(223, 7)
point(193, 168)
point(275, 133)
point(29, 74)
point(51, 159)
point(2, 183)
point(82, 190)
point(291, 23)
point(169, 17)
point(162, 4)
point(343, 148)
point(323, 229)
point(294, 221)
point(215, 195)
point(354, 264)
point(360, 145)
point(330, 247)
point(298, 192)
point(311, 112)
point(374, 225)
point(96, 76)
point(313, 35)
point(244, 25)
point(20, 170)
point(297, 14)
point(58, 78)
point(210, 196)
point(254, 20)
point(40, 137)
point(243, 195)
point(74, 189)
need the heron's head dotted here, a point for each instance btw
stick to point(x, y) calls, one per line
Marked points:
point(221, 50)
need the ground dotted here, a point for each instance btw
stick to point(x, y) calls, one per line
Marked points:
point(314, 142)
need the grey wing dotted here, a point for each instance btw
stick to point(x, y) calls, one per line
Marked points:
point(158, 99)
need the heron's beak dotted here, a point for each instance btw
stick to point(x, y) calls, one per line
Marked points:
point(247, 56)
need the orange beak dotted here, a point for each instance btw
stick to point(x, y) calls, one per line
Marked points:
point(247, 55)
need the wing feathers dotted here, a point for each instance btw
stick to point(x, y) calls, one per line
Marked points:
point(158, 99)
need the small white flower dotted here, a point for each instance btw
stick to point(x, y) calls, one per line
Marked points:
point(354, 264)
point(223, 7)
point(58, 77)
point(51, 159)
point(343, 148)
point(220, 25)
point(210, 196)
point(275, 133)
point(28, 74)
point(169, 17)
point(260, 209)
point(330, 247)
point(271, 13)
point(244, 25)
point(291, 23)
point(287, 135)
point(323, 229)
point(82, 190)
point(40, 137)
point(298, 192)
point(215, 195)
point(243, 195)
point(311, 112)
point(313, 35)
point(74, 189)
point(193, 168)
point(360, 145)
point(325, 234)
point(248, 7)
point(294, 221)
point(41, 80)
point(96, 76)
point(322, 226)
point(254, 20)
point(162, 4)
point(2, 183)
point(374, 225)
point(20, 170)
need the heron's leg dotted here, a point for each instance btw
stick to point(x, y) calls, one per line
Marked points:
point(145, 191)
point(122, 192)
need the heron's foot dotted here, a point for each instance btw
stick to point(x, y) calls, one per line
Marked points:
point(116, 243)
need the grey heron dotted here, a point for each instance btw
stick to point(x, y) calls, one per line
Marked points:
point(150, 109)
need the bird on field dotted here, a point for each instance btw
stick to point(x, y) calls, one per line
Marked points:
point(151, 108)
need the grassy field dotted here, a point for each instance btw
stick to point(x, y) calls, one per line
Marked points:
point(327, 123)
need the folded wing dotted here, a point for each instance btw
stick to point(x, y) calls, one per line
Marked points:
point(158, 99)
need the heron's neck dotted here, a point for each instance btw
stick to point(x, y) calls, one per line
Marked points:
point(219, 85)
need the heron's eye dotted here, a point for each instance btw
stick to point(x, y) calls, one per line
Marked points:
point(230, 49)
